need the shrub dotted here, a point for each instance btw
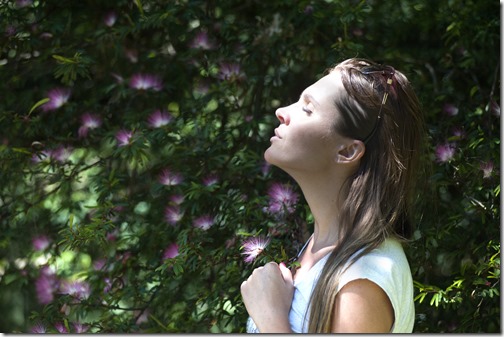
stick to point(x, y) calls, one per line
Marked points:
point(131, 150)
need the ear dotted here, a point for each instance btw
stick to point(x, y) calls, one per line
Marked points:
point(350, 152)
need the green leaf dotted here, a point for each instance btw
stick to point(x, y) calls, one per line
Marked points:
point(39, 103)
point(62, 59)
point(9, 278)
point(138, 3)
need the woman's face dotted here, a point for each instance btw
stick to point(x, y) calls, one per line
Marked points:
point(306, 140)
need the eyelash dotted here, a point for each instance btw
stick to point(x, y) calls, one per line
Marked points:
point(305, 109)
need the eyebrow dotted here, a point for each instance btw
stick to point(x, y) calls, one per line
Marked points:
point(308, 97)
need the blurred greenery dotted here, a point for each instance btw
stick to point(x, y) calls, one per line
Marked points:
point(88, 216)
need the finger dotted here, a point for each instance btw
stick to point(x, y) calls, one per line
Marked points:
point(255, 271)
point(243, 287)
point(286, 273)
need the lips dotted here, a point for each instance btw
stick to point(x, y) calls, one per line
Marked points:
point(276, 134)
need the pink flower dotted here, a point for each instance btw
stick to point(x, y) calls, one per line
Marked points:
point(77, 289)
point(60, 327)
point(445, 152)
point(57, 98)
point(23, 3)
point(159, 118)
point(169, 178)
point(230, 72)
point(119, 79)
point(61, 153)
point(253, 247)
point(46, 36)
point(230, 242)
point(41, 156)
point(80, 328)
point(201, 41)
point(282, 198)
point(110, 18)
point(143, 316)
point(131, 55)
point(38, 328)
point(108, 285)
point(89, 122)
point(124, 257)
point(112, 236)
point(173, 214)
point(458, 132)
point(487, 169)
point(308, 9)
point(495, 108)
point(171, 251)
point(40, 242)
point(145, 82)
point(201, 88)
point(177, 199)
point(210, 180)
point(46, 285)
point(450, 109)
point(99, 264)
point(123, 137)
point(265, 168)
point(204, 222)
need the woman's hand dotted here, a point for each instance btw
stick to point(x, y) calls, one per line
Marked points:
point(267, 295)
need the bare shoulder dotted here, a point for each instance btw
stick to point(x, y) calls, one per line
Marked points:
point(362, 306)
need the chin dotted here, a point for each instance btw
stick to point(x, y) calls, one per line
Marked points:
point(268, 156)
point(271, 159)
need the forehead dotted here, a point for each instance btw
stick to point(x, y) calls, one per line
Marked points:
point(327, 88)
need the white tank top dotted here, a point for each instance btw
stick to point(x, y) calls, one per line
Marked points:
point(386, 266)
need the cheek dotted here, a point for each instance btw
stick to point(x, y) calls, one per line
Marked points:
point(308, 149)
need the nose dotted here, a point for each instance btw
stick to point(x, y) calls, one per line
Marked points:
point(283, 116)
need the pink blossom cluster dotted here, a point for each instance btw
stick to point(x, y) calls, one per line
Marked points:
point(487, 168)
point(60, 327)
point(89, 122)
point(110, 18)
point(46, 285)
point(170, 178)
point(77, 289)
point(142, 81)
point(61, 154)
point(57, 98)
point(40, 242)
point(211, 179)
point(204, 222)
point(123, 137)
point(450, 109)
point(230, 72)
point(171, 251)
point(253, 247)
point(23, 3)
point(445, 152)
point(159, 118)
point(173, 212)
point(282, 199)
point(202, 41)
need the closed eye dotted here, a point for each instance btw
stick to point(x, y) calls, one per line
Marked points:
point(305, 109)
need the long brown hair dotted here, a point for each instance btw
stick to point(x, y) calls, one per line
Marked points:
point(379, 195)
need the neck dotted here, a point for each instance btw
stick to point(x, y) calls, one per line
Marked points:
point(324, 197)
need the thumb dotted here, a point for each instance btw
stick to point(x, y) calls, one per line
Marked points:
point(286, 273)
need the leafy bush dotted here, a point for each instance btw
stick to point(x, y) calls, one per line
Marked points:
point(131, 150)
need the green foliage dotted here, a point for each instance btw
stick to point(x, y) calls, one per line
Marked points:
point(89, 219)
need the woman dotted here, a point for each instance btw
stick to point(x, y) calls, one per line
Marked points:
point(352, 143)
